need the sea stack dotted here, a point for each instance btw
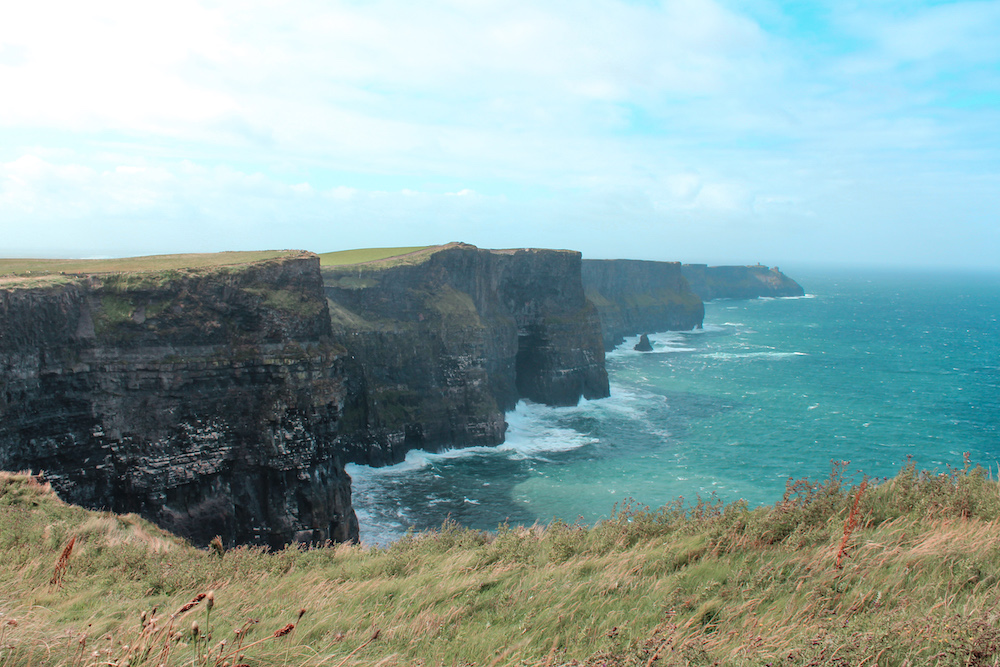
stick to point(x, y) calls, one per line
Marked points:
point(643, 345)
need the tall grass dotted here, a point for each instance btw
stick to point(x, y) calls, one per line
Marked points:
point(700, 584)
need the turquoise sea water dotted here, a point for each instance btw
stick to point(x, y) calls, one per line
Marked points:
point(869, 367)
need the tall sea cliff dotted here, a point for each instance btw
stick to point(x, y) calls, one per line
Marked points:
point(223, 394)
point(442, 342)
point(635, 296)
point(206, 400)
point(224, 400)
point(739, 282)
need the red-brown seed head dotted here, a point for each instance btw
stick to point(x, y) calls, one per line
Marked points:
point(285, 630)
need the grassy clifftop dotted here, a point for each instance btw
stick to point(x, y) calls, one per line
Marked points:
point(15, 272)
point(901, 572)
point(384, 257)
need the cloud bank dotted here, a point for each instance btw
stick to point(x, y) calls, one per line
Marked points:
point(689, 129)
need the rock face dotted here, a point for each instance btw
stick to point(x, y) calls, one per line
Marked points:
point(739, 282)
point(643, 345)
point(441, 344)
point(634, 296)
point(207, 401)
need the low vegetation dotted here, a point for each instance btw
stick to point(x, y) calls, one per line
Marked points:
point(902, 571)
point(384, 256)
point(140, 264)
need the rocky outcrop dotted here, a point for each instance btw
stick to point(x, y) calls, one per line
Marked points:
point(643, 345)
point(441, 343)
point(739, 282)
point(207, 401)
point(634, 296)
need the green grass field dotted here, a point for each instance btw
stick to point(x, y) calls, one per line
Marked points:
point(901, 572)
point(383, 256)
point(21, 270)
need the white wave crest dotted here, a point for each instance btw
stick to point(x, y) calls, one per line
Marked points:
point(755, 355)
point(531, 431)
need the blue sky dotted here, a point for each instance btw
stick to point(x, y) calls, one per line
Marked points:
point(696, 130)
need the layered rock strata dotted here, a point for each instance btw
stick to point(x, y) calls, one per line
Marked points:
point(634, 297)
point(441, 343)
point(207, 401)
point(739, 282)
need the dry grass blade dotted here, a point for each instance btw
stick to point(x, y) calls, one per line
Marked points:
point(239, 649)
point(191, 605)
point(552, 651)
point(354, 652)
point(656, 654)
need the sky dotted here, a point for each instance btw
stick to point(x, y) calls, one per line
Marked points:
point(842, 132)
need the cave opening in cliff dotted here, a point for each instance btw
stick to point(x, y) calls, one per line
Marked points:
point(528, 365)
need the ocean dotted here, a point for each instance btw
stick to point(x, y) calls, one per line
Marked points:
point(870, 367)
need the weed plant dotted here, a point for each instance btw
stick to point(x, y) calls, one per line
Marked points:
point(705, 583)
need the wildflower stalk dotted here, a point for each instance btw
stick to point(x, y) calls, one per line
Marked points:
point(850, 524)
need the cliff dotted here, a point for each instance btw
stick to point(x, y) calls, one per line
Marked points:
point(634, 297)
point(442, 341)
point(739, 282)
point(222, 395)
point(207, 400)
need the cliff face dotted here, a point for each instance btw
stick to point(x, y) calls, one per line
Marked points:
point(739, 282)
point(207, 401)
point(440, 346)
point(634, 297)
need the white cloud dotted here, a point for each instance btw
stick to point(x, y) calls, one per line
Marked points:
point(266, 122)
point(107, 64)
point(362, 81)
point(961, 30)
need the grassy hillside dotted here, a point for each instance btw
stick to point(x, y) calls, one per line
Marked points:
point(898, 572)
point(137, 264)
point(17, 271)
point(381, 255)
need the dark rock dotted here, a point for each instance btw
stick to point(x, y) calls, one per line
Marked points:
point(440, 345)
point(643, 345)
point(739, 282)
point(207, 401)
point(633, 296)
